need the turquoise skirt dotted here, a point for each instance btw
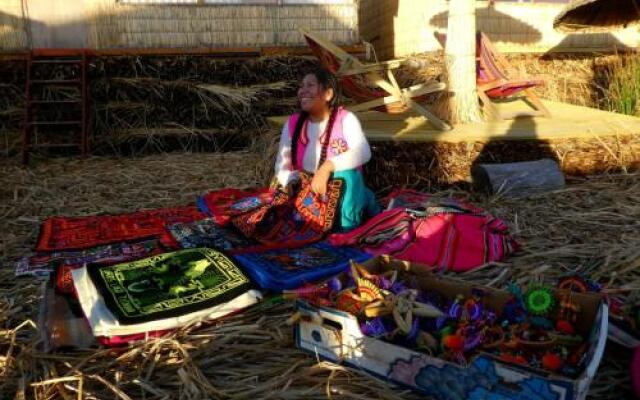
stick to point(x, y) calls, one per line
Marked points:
point(358, 201)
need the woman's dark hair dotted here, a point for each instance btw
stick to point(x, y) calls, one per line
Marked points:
point(326, 80)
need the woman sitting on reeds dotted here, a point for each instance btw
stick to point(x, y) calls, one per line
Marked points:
point(326, 140)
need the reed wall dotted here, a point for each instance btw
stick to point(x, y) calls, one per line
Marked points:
point(101, 24)
point(13, 35)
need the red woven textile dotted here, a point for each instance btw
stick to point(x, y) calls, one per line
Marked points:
point(275, 218)
point(63, 233)
point(443, 236)
point(222, 205)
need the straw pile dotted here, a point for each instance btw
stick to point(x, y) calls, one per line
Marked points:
point(116, 25)
point(11, 104)
point(198, 102)
point(590, 227)
point(143, 104)
point(574, 78)
point(438, 165)
point(442, 164)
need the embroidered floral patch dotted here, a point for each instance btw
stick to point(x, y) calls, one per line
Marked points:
point(338, 146)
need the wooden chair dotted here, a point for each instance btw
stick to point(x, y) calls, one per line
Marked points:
point(373, 86)
point(497, 80)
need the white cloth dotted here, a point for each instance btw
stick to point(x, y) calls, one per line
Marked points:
point(104, 323)
point(358, 154)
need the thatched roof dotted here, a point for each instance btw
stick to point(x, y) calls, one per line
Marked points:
point(597, 15)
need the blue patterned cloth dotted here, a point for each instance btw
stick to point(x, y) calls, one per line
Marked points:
point(291, 268)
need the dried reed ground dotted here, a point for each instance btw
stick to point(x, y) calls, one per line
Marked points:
point(591, 227)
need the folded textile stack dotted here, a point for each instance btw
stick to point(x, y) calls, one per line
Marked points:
point(80, 252)
point(121, 303)
point(162, 292)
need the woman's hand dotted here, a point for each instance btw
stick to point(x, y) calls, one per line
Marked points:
point(321, 177)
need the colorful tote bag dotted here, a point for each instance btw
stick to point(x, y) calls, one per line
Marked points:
point(169, 285)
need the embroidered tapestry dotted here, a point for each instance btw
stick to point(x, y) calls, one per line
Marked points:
point(207, 233)
point(222, 205)
point(46, 263)
point(290, 268)
point(294, 220)
point(169, 285)
point(105, 324)
point(63, 233)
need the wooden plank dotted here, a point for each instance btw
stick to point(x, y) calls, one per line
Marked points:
point(21, 56)
point(567, 122)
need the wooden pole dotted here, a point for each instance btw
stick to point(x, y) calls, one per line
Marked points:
point(460, 58)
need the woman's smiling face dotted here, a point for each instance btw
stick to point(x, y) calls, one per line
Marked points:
point(313, 97)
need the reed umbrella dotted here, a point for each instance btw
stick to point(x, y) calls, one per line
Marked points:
point(597, 15)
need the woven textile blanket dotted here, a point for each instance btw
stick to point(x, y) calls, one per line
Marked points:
point(63, 233)
point(443, 240)
point(290, 268)
point(169, 284)
point(283, 220)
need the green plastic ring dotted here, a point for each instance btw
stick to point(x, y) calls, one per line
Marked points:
point(539, 301)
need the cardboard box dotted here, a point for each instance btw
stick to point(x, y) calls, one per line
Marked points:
point(336, 336)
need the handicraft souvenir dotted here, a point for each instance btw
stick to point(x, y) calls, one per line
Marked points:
point(63, 233)
point(534, 329)
point(168, 285)
point(286, 269)
point(275, 218)
point(207, 233)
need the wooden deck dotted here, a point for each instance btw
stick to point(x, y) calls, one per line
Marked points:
point(567, 122)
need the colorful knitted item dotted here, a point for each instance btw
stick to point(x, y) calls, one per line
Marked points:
point(64, 280)
point(63, 233)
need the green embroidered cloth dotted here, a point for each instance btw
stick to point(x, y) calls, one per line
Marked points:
point(168, 285)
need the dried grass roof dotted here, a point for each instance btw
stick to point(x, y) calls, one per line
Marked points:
point(597, 15)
